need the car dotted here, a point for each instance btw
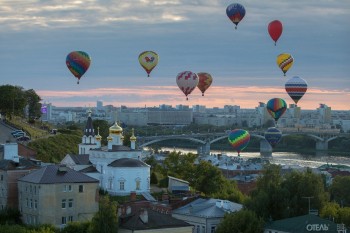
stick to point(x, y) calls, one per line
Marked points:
point(23, 139)
point(19, 134)
point(16, 131)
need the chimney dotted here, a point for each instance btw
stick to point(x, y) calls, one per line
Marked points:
point(11, 152)
point(62, 168)
point(144, 216)
point(132, 196)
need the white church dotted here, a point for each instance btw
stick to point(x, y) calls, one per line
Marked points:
point(118, 168)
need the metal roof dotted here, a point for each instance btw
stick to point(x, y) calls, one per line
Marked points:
point(53, 174)
point(126, 162)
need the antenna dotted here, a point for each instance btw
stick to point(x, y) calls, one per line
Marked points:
point(309, 201)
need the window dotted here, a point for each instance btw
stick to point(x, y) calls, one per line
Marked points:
point(2, 177)
point(67, 188)
point(63, 203)
point(81, 188)
point(27, 202)
point(121, 185)
point(34, 189)
point(64, 220)
point(35, 204)
point(110, 183)
point(212, 229)
point(70, 218)
point(70, 203)
point(138, 184)
point(31, 203)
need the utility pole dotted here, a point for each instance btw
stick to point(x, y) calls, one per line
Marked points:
point(309, 201)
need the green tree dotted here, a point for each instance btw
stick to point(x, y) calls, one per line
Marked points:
point(154, 179)
point(180, 165)
point(34, 105)
point(13, 100)
point(243, 221)
point(101, 126)
point(344, 216)
point(106, 219)
point(330, 210)
point(340, 190)
point(301, 185)
point(76, 227)
point(10, 216)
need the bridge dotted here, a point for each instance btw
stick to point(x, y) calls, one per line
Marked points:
point(322, 138)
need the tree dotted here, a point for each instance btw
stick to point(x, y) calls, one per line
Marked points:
point(243, 221)
point(154, 179)
point(76, 227)
point(13, 100)
point(330, 210)
point(344, 216)
point(340, 190)
point(106, 219)
point(103, 127)
point(34, 105)
point(301, 185)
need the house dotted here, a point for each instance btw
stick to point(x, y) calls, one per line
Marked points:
point(177, 186)
point(304, 223)
point(148, 220)
point(13, 167)
point(205, 214)
point(56, 194)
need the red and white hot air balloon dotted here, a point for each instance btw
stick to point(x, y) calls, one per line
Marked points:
point(187, 82)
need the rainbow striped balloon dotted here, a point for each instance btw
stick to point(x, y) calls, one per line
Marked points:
point(78, 63)
point(276, 107)
point(239, 139)
point(296, 88)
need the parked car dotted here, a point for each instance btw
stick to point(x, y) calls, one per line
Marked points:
point(19, 134)
point(16, 131)
point(23, 139)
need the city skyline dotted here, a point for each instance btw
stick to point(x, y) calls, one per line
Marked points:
point(36, 37)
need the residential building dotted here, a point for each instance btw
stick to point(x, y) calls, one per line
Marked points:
point(177, 186)
point(12, 167)
point(205, 214)
point(56, 194)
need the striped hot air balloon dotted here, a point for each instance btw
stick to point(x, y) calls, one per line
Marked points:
point(239, 139)
point(296, 88)
point(273, 136)
point(276, 107)
point(78, 62)
point(187, 81)
point(284, 62)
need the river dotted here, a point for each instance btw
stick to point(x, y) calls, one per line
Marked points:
point(283, 158)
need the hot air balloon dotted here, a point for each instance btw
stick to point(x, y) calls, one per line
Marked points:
point(78, 63)
point(204, 82)
point(296, 88)
point(273, 136)
point(148, 60)
point(187, 81)
point(275, 29)
point(285, 61)
point(276, 107)
point(239, 139)
point(235, 12)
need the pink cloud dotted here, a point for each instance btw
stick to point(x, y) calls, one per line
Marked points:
point(217, 96)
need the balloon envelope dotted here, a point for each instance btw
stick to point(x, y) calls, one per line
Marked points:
point(276, 107)
point(148, 60)
point(187, 81)
point(239, 139)
point(235, 12)
point(273, 136)
point(78, 62)
point(284, 62)
point(275, 29)
point(296, 88)
point(204, 81)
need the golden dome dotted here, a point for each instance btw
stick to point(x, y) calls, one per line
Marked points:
point(132, 138)
point(115, 129)
point(109, 138)
point(98, 136)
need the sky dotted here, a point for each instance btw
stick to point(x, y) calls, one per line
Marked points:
point(36, 36)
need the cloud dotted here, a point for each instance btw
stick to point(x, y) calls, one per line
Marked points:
point(245, 96)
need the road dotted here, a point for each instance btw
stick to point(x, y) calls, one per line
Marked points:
point(5, 133)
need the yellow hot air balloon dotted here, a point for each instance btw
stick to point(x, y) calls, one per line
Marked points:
point(148, 60)
point(284, 62)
